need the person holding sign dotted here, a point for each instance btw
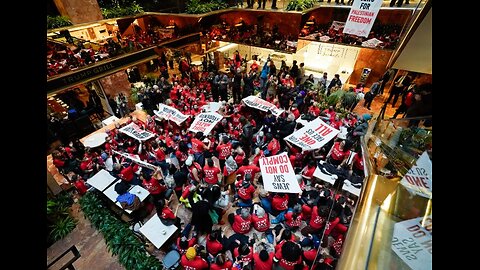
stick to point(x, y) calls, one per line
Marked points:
point(339, 153)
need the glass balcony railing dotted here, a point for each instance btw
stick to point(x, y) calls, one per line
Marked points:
point(392, 226)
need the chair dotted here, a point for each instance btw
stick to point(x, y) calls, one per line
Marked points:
point(171, 260)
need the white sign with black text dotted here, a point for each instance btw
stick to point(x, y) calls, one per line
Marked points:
point(313, 135)
point(278, 174)
point(136, 132)
point(361, 17)
point(412, 242)
point(419, 178)
point(205, 122)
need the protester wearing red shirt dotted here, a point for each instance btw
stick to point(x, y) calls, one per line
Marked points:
point(273, 146)
point(293, 219)
point(263, 260)
point(308, 171)
point(127, 173)
point(279, 202)
point(338, 153)
point(293, 250)
point(260, 219)
point(152, 185)
point(79, 184)
point(213, 244)
point(247, 168)
point(190, 260)
point(211, 172)
point(314, 110)
point(240, 156)
point(357, 164)
point(246, 191)
point(221, 263)
point(241, 220)
point(319, 217)
point(245, 252)
point(224, 150)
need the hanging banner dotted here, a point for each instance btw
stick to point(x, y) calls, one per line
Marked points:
point(419, 178)
point(278, 174)
point(313, 135)
point(170, 113)
point(136, 159)
point(257, 103)
point(136, 132)
point(361, 17)
point(205, 122)
point(412, 242)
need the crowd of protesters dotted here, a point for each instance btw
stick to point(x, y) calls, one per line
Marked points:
point(388, 34)
point(217, 176)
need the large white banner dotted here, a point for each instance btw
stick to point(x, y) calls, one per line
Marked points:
point(262, 105)
point(412, 242)
point(136, 132)
point(313, 135)
point(278, 174)
point(419, 178)
point(205, 122)
point(361, 17)
point(136, 159)
point(257, 103)
point(170, 113)
point(212, 106)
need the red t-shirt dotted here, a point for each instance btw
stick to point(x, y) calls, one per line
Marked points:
point(191, 243)
point(239, 158)
point(331, 225)
point(261, 224)
point(287, 265)
point(316, 221)
point(224, 150)
point(256, 159)
point(293, 222)
point(245, 258)
point(197, 145)
point(226, 266)
point(314, 110)
point(358, 162)
point(213, 247)
point(160, 155)
point(296, 113)
point(338, 154)
point(310, 254)
point(309, 171)
point(81, 187)
point(153, 186)
point(261, 265)
point(241, 225)
point(306, 212)
point(273, 147)
point(128, 172)
point(280, 203)
point(246, 193)
point(211, 174)
point(249, 169)
point(196, 264)
point(167, 213)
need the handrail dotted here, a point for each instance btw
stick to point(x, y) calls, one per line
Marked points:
point(69, 263)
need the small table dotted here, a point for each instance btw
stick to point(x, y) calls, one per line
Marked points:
point(109, 120)
point(95, 140)
point(156, 232)
point(101, 180)
point(110, 191)
point(141, 193)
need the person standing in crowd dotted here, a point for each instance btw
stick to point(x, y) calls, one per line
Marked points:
point(264, 74)
point(335, 82)
point(260, 2)
point(398, 88)
point(237, 85)
point(372, 93)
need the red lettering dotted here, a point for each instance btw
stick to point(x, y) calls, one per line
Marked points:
point(307, 140)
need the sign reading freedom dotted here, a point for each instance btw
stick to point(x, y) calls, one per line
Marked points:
point(278, 174)
point(313, 135)
point(361, 17)
point(135, 132)
point(205, 122)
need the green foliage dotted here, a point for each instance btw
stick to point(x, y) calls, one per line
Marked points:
point(58, 21)
point(200, 7)
point(300, 5)
point(121, 11)
point(335, 97)
point(119, 238)
point(59, 221)
point(62, 228)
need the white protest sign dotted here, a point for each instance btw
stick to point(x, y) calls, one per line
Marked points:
point(170, 113)
point(212, 106)
point(276, 111)
point(419, 178)
point(205, 122)
point(136, 132)
point(278, 174)
point(313, 135)
point(361, 17)
point(257, 103)
point(137, 160)
point(412, 242)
